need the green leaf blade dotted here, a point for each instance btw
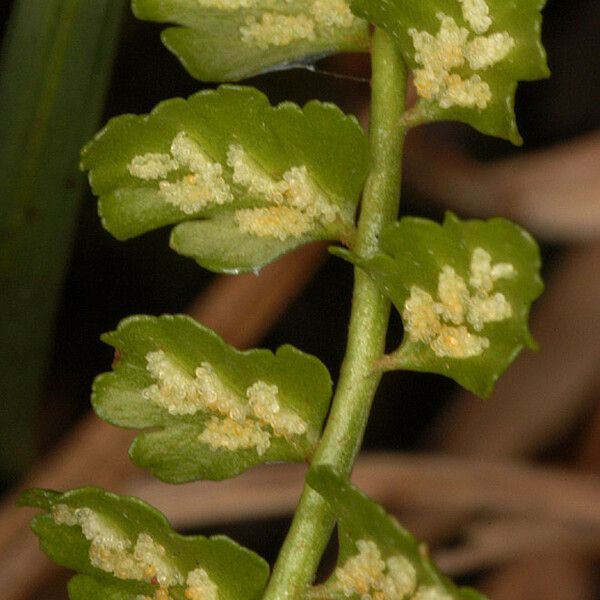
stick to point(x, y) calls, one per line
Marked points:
point(213, 411)
point(243, 182)
point(466, 61)
point(124, 549)
point(464, 290)
point(229, 41)
point(376, 553)
point(55, 66)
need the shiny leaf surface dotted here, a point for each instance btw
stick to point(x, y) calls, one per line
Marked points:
point(467, 56)
point(376, 555)
point(464, 290)
point(126, 550)
point(214, 411)
point(244, 181)
point(229, 40)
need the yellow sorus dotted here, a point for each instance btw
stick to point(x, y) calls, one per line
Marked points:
point(427, 592)
point(490, 309)
point(202, 186)
point(422, 321)
point(368, 575)
point(188, 154)
point(442, 324)
point(249, 175)
point(200, 586)
point(485, 51)
point(295, 188)
point(454, 296)
point(94, 527)
point(303, 193)
point(400, 580)
point(217, 396)
point(484, 274)
point(442, 52)
point(150, 553)
point(420, 317)
point(227, 4)
point(147, 562)
point(263, 399)
point(469, 93)
point(333, 13)
point(362, 572)
point(477, 14)
point(152, 165)
point(299, 202)
point(449, 49)
point(231, 435)
point(111, 552)
point(281, 222)
point(180, 394)
point(159, 594)
point(175, 390)
point(277, 30)
point(458, 342)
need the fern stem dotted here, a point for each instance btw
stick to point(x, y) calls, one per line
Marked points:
point(342, 438)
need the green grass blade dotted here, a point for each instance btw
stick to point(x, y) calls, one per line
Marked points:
point(54, 72)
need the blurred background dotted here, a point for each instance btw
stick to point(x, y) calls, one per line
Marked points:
point(506, 492)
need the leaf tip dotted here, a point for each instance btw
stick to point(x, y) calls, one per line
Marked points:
point(37, 498)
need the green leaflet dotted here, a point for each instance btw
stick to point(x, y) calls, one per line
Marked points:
point(464, 290)
point(214, 411)
point(467, 55)
point(229, 40)
point(126, 550)
point(376, 552)
point(245, 181)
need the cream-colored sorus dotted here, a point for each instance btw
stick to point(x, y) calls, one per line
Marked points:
point(450, 48)
point(263, 399)
point(281, 222)
point(485, 51)
point(227, 434)
point(159, 594)
point(427, 592)
point(152, 165)
point(477, 14)
point(333, 13)
point(374, 578)
point(444, 323)
point(229, 5)
point(322, 17)
point(181, 394)
point(237, 422)
point(201, 184)
point(112, 552)
point(298, 202)
point(200, 586)
point(273, 29)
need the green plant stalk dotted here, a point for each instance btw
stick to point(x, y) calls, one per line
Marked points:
point(342, 438)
